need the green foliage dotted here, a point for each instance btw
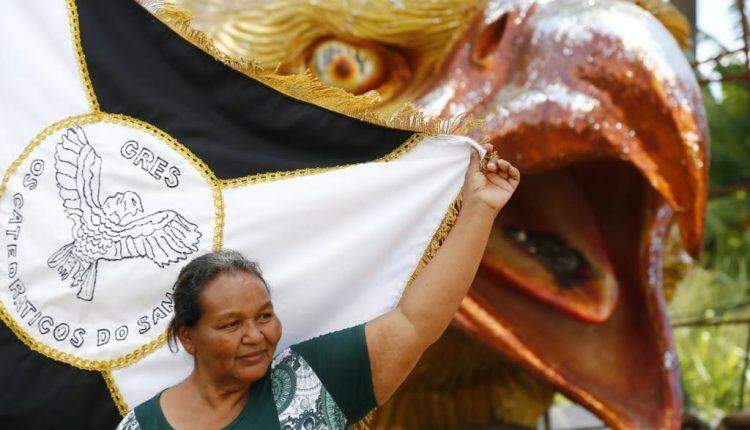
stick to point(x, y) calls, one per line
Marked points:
point(712, 357)
point(727, 237)
point(729, 124)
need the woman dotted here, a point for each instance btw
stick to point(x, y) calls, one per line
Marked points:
point(224, 318)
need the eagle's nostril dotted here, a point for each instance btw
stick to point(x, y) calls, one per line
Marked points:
point(489, 39)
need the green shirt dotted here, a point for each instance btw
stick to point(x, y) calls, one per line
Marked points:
point(321, 384)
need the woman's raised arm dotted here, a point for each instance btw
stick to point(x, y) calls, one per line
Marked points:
point(397, 339)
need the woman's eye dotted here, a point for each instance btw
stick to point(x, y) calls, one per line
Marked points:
point(266, 316)
point(231, 325)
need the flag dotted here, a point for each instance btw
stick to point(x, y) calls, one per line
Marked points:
point(129, 150)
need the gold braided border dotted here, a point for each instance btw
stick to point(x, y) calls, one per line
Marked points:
point(114, 391)
point(405, 147)
point(83, 70)
point(208, 175)
point(449, 219)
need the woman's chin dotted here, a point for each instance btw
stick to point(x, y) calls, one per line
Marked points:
point(251, 372)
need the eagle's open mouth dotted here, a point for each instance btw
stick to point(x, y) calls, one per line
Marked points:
point(571, 283)
point(547, 242)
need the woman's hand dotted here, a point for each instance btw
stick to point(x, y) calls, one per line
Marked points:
point(489, 188)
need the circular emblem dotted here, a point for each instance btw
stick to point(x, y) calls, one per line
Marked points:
point(98, 216)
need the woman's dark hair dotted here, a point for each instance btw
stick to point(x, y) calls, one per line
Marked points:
point(193, 279)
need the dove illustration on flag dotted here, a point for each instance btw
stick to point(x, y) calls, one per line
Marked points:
point(128, 150)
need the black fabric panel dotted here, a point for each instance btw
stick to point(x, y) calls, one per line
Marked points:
point(238, 126)
point(40, 393)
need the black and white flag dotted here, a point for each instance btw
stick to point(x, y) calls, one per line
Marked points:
point(127, 151)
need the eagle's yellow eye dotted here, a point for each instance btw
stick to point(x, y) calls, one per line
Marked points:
point(356, 68)
point(353, 68)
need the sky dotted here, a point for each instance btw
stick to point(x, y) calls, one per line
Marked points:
point(715, 18)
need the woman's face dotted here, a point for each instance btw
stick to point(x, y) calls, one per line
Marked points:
point(235, 338)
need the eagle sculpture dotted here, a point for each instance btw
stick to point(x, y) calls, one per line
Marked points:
point(596, 104)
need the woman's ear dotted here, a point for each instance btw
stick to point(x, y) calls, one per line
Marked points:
point(186, 339)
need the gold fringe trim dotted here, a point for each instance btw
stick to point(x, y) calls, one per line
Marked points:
point(144, 350)
point(366, 422)
point(309, 89)
point(405, 147)
point(449, 220)
point(83, 70)
point(114, 391)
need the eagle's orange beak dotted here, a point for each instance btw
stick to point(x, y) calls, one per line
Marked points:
point(597, 106)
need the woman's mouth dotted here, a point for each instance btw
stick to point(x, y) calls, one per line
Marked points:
point(253, 357)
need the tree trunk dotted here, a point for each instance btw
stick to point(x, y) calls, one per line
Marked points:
point(687, 7)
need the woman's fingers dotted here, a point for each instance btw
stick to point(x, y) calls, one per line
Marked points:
point(505, 168)
point(515, 174)
point(510, 171)
point(499, 170)
point(495, 165)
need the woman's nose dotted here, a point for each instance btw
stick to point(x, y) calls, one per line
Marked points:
point(252, 333)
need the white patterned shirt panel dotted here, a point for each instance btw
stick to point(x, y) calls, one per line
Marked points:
point(302, 400)
point(129, 422)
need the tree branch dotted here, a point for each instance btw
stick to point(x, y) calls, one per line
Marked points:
point(717, 57)
point(705, 322)
point(745, 38)
point(723, 191)
point(725, 79)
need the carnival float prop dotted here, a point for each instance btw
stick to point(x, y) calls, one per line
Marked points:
point(597, 105)
point(140, 135)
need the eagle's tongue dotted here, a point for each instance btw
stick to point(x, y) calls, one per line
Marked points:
point(546, 242)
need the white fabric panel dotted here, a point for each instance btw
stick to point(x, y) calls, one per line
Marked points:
point(343, 244)
point(39, 79)
point(336, 248)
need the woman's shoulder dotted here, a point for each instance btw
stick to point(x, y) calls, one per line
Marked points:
point(129, 422)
